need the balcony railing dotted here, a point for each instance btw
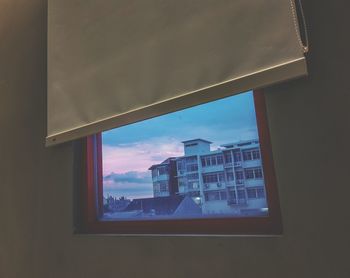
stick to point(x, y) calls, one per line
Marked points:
point(234, 201)
point(214, 185)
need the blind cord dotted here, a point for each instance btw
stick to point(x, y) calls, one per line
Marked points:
point(303, 45)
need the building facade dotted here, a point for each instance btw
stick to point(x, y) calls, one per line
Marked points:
point(228, 180)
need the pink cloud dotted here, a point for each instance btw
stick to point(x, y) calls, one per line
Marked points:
point(139, 156)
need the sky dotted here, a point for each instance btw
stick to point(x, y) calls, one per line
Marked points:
point(130, 150)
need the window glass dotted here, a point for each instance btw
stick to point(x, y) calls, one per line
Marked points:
point(220, 159)
point(237, 156)
point(186, 164)
point(228, 157)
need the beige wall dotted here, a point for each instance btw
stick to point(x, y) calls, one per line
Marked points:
point(309, 120)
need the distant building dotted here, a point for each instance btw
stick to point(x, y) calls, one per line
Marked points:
point(113, 204)
point(176, 205)
point(164, 178)
point(229, 180)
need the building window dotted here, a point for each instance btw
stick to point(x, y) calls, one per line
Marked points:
point(192, 167)
point(220, 160)
point(256, 154)
point(163, 186)
point(221, 177)
point(255, 193)
point(237, 156)
point(239, 175)
point(251, 154)
point(213, 178)
point(223, 195)
point(258, 173)
point(149, 175)
point(180, 165)
point(249, 174)
point(253, 173)
point(192, 176)
point(212, 160)
point(228, 157)
point(215, 196)
point(229, 175)
point(210, 178)
point(162, 171)
point(193, 185)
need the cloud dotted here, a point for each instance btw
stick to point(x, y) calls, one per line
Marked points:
point(129, 177)
point(125, 166)
point(139, 156)
point(129, 192)
point(130, 185)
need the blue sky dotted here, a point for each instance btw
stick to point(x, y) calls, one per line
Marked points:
point(128, 151)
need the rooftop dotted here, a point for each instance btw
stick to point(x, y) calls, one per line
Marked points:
point(240, 143)
point(165, 162)
point(196, 140)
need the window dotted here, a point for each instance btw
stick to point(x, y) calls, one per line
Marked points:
point(249, 173)
point(210, 178)
point(229, 175)
point(192, 176)
point(163, 186)
point(256, 154)
point(162, 171)
point(212, 160)
point(247, 155)
point(221, 177)
point(239, 175)
point(215, 196)
point(237, 156)
point(157, 187)
point(255, 193)
point(192, 167)
point(253, 173)
point(251, 154)
point(220, 159)
point(193, 185)
point(228, 157)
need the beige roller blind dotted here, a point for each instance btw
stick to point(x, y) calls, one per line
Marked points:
point(114, 62)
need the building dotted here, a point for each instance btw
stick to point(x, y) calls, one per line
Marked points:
point(164, 178)
point(113, 204)
point(175, 205)
point(228, 180)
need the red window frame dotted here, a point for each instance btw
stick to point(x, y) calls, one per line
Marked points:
point(91, 197)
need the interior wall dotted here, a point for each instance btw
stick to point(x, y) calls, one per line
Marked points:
point(309, 122)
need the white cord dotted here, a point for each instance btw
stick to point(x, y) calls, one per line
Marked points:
point(304, 46)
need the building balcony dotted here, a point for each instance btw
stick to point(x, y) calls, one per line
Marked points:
point(230, 183)
point(214, 185)
point(239, 181)
point(251, 163)
point(160, 178)
point(212, 168)
point(254, 182)
point(234, 201)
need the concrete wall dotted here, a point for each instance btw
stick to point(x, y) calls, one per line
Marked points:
point(310, 128)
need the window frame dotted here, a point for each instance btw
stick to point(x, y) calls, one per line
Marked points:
point(90, 197)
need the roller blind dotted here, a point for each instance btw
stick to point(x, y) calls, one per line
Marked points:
point(114, 62)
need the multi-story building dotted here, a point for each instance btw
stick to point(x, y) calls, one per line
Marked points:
point(228, 180)
point(164, 178)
